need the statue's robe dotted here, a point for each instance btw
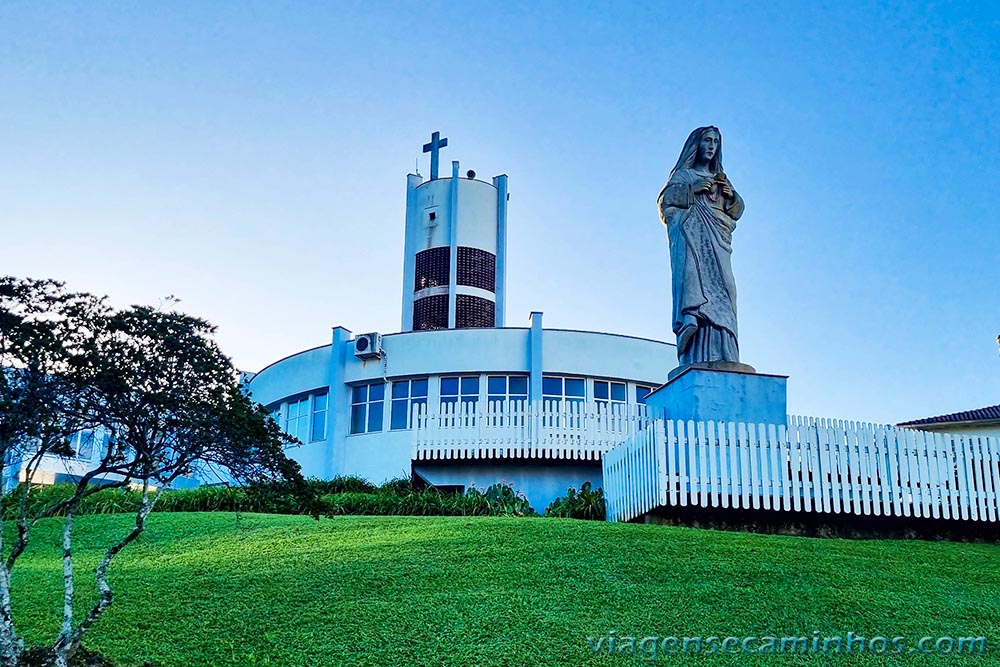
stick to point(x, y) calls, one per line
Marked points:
point(700, 233)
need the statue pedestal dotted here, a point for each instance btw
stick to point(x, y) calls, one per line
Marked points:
point(715, 394)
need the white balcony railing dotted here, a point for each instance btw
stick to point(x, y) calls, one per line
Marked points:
point(518, 430)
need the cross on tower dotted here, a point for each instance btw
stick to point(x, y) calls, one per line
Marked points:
point(434, 147)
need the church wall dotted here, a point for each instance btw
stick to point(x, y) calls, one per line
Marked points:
point(607, 355)
point(477, 206)
point(376, 456)
point(313, 457)
point(302, 372)
point(432, 196)
point(445, 351)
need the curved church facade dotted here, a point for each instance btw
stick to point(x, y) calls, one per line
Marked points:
point(456, 397)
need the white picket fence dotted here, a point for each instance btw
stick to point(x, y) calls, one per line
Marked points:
point(542, 430)
point(810, 465)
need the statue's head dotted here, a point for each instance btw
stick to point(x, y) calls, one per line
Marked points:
point(703, 144)
point(708, 144)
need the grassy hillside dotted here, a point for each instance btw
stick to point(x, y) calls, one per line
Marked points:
point(214, 589)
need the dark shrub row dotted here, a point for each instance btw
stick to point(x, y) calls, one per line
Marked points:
point(342, 495)
point(498, 500)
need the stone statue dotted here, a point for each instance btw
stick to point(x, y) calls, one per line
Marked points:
point(700, 208)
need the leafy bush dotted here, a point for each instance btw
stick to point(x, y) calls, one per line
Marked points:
point(397, 485)
point(498, 500)
point(206, 499)
point(583, 504)
point(343, 484)
point(350, 502)
point(425, 502)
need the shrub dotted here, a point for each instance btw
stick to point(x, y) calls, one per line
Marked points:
point(205, 499)
point(498, 500)
point(342, 484)
point(397, 485)
point(425, 502)
point(583, 504)
point(350, 502)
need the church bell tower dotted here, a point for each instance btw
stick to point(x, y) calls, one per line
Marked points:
point(454, 264)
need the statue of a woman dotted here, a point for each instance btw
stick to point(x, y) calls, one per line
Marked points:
point(700, 208)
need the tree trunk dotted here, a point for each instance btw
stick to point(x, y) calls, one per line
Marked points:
point(63, 648)
point(106, 595)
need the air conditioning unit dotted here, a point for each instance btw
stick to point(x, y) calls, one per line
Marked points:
point(368, 346)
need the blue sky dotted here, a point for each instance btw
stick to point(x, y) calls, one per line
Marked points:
point(250, 158)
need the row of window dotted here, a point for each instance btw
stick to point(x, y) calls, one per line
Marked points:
point(305, 417)
point(368, 400)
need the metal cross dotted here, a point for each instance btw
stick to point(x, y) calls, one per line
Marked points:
point(434, 147)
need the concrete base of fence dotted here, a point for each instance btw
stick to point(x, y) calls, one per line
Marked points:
point(812, 524)
point(701, 394)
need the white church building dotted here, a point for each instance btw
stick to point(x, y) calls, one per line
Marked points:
point(458, 396)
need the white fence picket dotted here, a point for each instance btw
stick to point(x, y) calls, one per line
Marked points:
point(977, 464)
point(712, 468)
point(829, 474)
point(756, 478)
point(944, 474)
point(991, 463)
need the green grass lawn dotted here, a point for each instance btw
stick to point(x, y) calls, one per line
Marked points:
point(214, 589)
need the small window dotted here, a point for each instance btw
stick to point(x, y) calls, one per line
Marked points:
point(575, 388)
point(557, 390)
point(367, 402)
point(641, 392)
point(297, 418)
point(552, 386)
point(319, 410)
point(464, 389)
point(609, 395)
point(511, 390)
point(406, 394)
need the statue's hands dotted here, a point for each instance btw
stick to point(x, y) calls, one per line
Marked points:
point(703, 185)
point(727, 190)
